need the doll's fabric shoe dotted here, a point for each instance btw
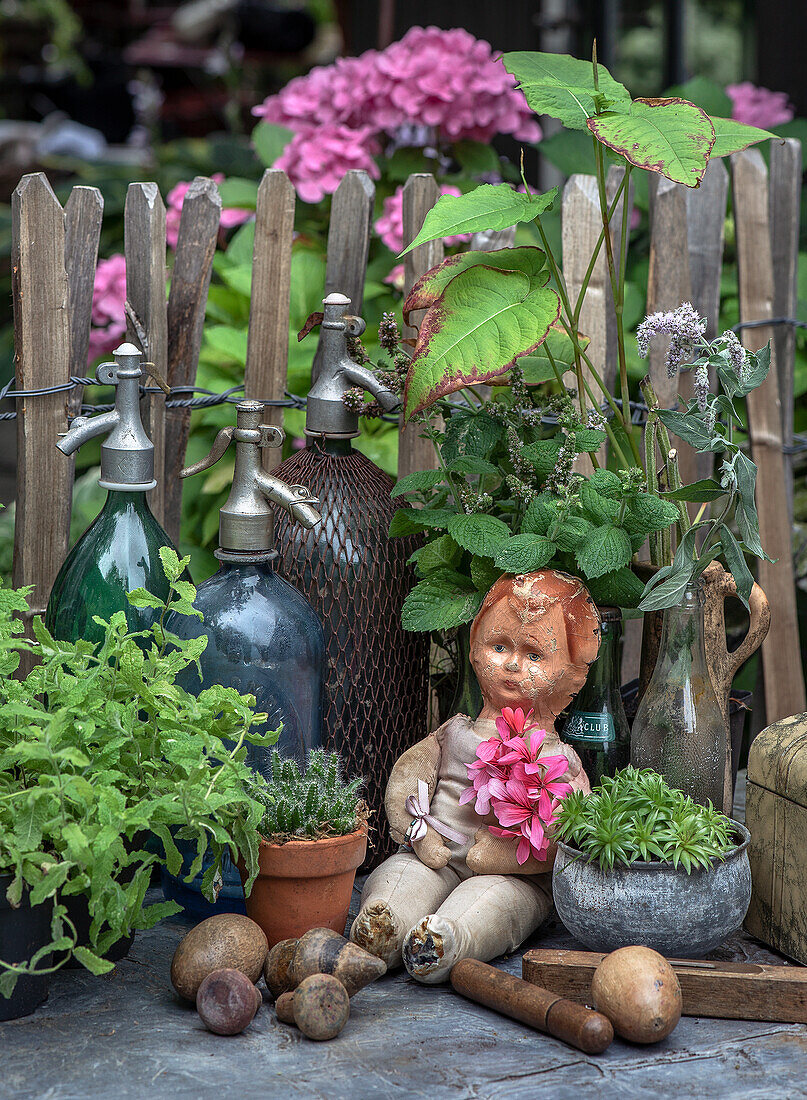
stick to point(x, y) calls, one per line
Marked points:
point(431, 948)
point(375, 929)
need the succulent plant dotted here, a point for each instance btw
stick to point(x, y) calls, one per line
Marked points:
point(311, 803)
point(635, 816)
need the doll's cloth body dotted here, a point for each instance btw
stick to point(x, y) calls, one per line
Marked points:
point(432, 916)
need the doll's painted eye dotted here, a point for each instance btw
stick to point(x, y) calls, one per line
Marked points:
point(534, 656)
point(498, 648)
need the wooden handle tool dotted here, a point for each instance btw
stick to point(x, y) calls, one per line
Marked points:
point(709, 987)
point(573, 1023)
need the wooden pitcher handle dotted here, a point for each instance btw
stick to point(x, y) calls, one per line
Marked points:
point(724, 664)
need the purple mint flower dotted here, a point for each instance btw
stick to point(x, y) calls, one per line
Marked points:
point(736, 353)
point(684, 326)
point(700, 383)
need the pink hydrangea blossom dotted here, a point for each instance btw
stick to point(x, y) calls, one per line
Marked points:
point(317, 158)
point(396, 278)
point(108, 327)
point(758, 106)
point(230, 216)
point(389, 226)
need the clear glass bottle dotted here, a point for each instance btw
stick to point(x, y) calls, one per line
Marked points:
point(679, 729)
point(596, 727)
point(119, 551)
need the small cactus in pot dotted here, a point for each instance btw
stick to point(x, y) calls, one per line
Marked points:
point(308, 803)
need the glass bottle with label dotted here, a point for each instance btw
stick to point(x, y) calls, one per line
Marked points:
point(597, 728)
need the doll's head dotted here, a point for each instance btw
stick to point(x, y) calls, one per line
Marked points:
point(533, 641)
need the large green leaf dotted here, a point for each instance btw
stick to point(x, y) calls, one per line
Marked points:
point(668, 136)
point(479, 533)
point(732, 137)
point(538, 367)
point(441, 601)
point(430, 286)
point(524, 553)
point(621, 588)
point(481, 324)
point(269, 141)
point(489, 206)
point(605, 550)
point(561, 86)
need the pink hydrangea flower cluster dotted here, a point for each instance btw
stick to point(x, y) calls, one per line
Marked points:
point(108, 327)
point(317, 158)
point(389, 226)
point(230, 216)
point(523, 788)
point(448, 81)
point(758, 106)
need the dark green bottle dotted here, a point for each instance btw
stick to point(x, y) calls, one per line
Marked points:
point(119, 551)
point(597, 728)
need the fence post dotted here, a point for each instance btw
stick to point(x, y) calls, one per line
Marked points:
point(42, 358)
point(84, 212)
point(268, 338)
point(190, 281)
point(420, 193)
point(781, 655)
point(348, 243)
point(785, 207)
point(146, 310)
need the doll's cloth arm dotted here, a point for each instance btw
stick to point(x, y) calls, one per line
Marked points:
point(496, 855)
point(421, 761)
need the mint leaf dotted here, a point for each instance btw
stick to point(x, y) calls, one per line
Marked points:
point(441, 601)
point(571, 533)
point(606, 548)
point(472, 464)
point(601, 509)
point(588, 440)
point(540, 513)
point(606, 483)
point(524, 553)
point(479, 533)
point(417, 482)
point(649, 513)
point(92, 961)
point(543, 455)
point(442, 553)
point(620, 588)
point(484, 573)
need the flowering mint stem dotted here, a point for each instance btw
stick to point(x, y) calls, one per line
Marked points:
point(648, 390)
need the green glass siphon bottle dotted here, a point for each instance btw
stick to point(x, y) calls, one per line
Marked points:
point(119, 551)
point(597, 727)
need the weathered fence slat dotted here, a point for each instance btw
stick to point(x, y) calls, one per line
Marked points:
point(147, 313)
point(781, 655)
point(42, 341)
point(785, 206)
point(420, 193)
point(268, 339)
point(83, 214)
point(190, 281)
point(706, 217)
point(348, 243)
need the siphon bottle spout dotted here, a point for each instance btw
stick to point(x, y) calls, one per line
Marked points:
point(296, 499)
point(85, 428)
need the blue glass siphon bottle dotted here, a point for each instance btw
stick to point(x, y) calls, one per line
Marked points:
point(119, 551)
point(264, 638)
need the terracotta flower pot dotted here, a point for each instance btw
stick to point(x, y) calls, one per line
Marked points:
point(304, 884)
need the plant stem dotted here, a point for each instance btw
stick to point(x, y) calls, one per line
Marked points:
point(649, 392)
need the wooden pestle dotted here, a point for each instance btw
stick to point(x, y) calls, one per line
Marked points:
point(573, 1023)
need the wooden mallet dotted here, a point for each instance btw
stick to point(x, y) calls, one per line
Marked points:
point(572, 1023)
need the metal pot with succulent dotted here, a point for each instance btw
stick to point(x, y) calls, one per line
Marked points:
point(641, 863)
point(312, 839)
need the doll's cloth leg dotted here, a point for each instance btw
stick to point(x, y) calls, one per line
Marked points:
point(397, 895)
point(484, 917)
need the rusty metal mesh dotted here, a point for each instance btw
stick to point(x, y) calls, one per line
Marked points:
point(356, 579)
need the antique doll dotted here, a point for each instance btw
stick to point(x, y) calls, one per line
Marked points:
point(458, 890)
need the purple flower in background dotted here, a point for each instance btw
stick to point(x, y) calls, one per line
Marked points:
point(389, 226)
point(758, 106)
point(230, 216)
point(685, 327)
point(736, 353)
point(317, 158)
point(109, 295)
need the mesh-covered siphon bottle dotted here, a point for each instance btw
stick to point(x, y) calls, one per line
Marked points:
point(597, 727)
point(679, 730)
point(119, 551)
point(356, 578)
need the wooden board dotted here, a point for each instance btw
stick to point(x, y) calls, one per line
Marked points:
point(349, 235)
point(268, 338)
point(420, 193)
point(190, 281)
point(147, 317)
point(781, 655)
point(84, 212)
point(722, 990)
point(42, 358)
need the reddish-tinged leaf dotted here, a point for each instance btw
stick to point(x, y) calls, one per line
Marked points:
point(429, 287)
point(668, 136)
point(484, 321)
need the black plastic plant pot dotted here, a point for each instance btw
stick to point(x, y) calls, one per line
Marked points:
point(22, 932)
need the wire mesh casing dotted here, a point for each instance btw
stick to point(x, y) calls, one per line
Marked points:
point(356, 579)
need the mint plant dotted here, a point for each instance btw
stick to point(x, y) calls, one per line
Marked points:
point(634, 816)
point(309, 803)
point(99, 747)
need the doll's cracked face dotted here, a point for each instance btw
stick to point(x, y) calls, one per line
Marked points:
point(522, 658)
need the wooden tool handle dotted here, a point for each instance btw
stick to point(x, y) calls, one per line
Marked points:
point(575, 1024)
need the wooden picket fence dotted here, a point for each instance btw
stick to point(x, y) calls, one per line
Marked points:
point(54, 258)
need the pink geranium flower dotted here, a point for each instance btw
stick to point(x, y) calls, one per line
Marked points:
point(758, 106)
point(520, 816)
point(230, 216)
point(481, 772)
